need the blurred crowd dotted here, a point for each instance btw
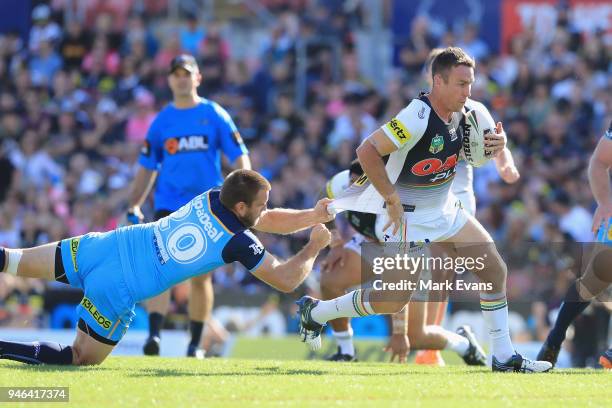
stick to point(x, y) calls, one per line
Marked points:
point(77, 98)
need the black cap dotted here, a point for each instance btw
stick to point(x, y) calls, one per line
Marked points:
point(185, 61)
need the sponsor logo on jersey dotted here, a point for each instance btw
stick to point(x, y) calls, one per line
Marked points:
point(93, 311)
point(453, 134)
point(421, 113)
point(433, 166)
point(182, 144)
point(398, 130)
point(204, 219)
point(74, 247)
point(256, 248)
point(437, 144)
point(361, 180)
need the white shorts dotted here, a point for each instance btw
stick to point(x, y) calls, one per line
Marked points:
point(468, 200)
point(426, 224)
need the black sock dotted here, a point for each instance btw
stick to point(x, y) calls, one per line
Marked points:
point(195, 328)
point(156, 321)
point(2, 259)
point(42, 352)
point(572, 306)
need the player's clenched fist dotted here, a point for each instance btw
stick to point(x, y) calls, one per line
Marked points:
point(322, 212)
point(320, 236)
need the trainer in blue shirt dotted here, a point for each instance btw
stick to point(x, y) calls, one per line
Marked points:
point(183, 152)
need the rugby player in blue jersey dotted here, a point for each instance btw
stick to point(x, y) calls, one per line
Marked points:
point(598, 273)
point(182, 152)
point(116, 269)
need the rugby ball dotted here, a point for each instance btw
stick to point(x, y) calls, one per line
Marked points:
point(477, 124)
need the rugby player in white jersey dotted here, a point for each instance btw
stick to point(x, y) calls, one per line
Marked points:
point(433, 313)
point(427, 135)
point(342, 270)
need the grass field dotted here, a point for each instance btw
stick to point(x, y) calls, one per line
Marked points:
point(178, 382)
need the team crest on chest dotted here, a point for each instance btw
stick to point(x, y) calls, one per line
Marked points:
point(437, 144)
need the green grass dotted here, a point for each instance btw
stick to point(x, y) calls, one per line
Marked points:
point(145, 382)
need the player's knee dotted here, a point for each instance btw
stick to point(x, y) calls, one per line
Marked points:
point(82, 357)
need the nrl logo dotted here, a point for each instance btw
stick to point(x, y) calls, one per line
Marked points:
point(421, 113)
point(437, 144)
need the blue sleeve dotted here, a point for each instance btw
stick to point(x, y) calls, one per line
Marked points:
point(608, 134)
point(231, 141)
point(245, 248)
point(151, 153)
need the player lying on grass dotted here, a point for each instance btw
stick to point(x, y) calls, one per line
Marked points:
point(343, 271)
point(598, 274)
point(121, 267)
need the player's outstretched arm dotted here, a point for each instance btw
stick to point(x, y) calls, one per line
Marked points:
point(599, 179)
point(287, 221)
point(288, 275)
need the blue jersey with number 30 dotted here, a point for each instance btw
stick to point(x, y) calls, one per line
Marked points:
point(197, 238)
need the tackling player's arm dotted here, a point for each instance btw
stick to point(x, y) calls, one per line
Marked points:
point(288, 221)
point(288, 275)
point(599, 179)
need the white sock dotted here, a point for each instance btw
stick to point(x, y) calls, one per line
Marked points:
point(345, 341)
point(457, 343)
point(495, 312)
point(350, 305)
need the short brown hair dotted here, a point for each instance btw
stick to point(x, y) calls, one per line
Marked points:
point(448, 58)
point(242, 186)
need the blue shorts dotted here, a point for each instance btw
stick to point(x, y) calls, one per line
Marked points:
point(92, 263)
point(604, 234)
